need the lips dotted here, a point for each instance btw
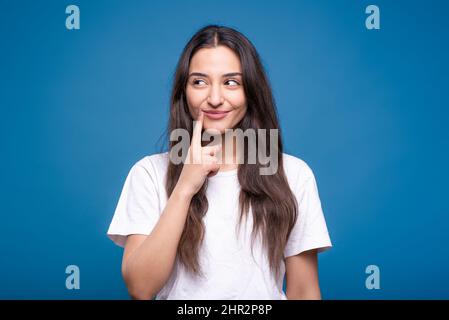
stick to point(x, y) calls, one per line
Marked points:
point(216, 111)
point(215, 114)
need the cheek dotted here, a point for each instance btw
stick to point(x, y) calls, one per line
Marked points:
point(237, 99)
point(238, 102)
point(240, 113)
point(194, 98)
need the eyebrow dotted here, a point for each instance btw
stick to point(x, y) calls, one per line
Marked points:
point(200, 74)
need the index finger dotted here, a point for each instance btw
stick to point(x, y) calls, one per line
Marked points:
point(196, 136)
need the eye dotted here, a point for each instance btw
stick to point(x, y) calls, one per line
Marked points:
point(232, 82)
point(198, 82)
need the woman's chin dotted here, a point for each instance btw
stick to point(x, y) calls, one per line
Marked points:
point(214, 128)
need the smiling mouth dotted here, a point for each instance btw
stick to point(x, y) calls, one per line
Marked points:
point(215, 111)
point(215, 114)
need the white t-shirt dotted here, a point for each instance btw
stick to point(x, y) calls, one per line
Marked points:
point(232, 272)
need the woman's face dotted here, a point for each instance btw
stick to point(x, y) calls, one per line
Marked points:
point(215, 86)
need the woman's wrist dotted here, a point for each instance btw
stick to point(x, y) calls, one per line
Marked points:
point(182, 194)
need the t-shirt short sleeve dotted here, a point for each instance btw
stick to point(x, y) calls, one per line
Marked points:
point(137, 211)
point(310, 230)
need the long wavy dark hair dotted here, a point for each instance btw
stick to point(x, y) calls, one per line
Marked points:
point(273, 205)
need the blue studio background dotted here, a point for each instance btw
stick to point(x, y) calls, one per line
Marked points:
point(366, 109)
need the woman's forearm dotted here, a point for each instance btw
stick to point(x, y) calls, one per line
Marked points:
point(310, 292)
point(148, 268)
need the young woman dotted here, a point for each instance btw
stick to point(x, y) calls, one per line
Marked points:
point(215, 227)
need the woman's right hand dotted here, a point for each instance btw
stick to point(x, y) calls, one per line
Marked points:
point(200, 162)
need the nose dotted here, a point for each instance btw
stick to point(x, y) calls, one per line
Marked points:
point(215, 98)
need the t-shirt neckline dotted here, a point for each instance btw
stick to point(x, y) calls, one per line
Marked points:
point(225, 173)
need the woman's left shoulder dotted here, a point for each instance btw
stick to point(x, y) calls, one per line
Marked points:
point(296, 168)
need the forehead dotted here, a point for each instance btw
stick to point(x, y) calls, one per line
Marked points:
point(215, 60)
